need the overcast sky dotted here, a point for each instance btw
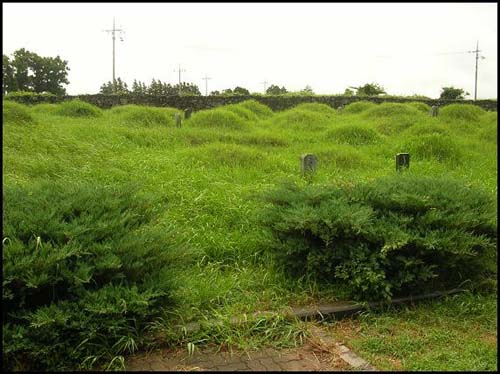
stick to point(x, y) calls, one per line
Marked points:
point(407, 48)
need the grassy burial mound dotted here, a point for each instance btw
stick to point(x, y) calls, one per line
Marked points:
point(15, 113)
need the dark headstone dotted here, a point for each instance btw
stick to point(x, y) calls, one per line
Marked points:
point(434, 111)
point(402, 161)
point(187, 113)
point(309, 163)
point(178, 120)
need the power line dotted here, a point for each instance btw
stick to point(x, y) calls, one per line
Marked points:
point(206, 84)
point(113, 33)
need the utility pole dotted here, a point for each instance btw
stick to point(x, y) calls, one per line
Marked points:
point(477, 58)
point(264, 83)
point(180, 70)
point(113, 33)
point(206, 84)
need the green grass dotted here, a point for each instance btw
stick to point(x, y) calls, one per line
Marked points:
point(456, 334)
point(208, 178)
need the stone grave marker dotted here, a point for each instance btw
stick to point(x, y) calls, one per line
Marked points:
point(402, 161)
point(434, 111)
point(178, 121)
point(187, 113)
point(309, 163)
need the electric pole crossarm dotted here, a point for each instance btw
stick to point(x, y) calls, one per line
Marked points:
point(206, 84)
point(113, 32)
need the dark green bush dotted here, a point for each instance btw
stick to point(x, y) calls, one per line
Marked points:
point(393, 236)
point(82, 274)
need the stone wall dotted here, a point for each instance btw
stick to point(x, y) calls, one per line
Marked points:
point(205, 102)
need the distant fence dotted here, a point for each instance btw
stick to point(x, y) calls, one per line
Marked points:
point(205, 102)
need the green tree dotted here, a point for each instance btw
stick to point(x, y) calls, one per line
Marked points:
point(307, 91)
point(35, 73)
point(369, 89)
point(187, 89)
point(138, 88)
point(348, 92)
point(9, 83)
point(452, 93)
point(118, 88)
point(276, 90)
point(240, 91)
point(215, 93)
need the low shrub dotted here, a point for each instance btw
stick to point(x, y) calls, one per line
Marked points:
point(461, 112)
point(391, 236)
point(16, 113)
point(358, 107)
point(78, 108)
point(82, 274)
point(214, 118)
point(353, 135)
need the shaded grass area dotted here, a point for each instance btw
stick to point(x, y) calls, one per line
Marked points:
point(458, 333)
point(208, 178)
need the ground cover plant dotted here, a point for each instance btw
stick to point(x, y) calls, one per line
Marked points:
point(143, 226)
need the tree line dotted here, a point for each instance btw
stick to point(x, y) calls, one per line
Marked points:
point(27, 71)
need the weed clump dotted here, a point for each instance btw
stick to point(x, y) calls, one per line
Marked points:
point(142, 115)
point(353, 135)
point(461, 112)
point(215, 118)
point(78, 108)
point(393, 236)
point(358, 107)
point(16, 113)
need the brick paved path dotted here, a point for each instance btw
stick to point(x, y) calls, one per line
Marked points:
point(319, 353)
point(302, 359)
